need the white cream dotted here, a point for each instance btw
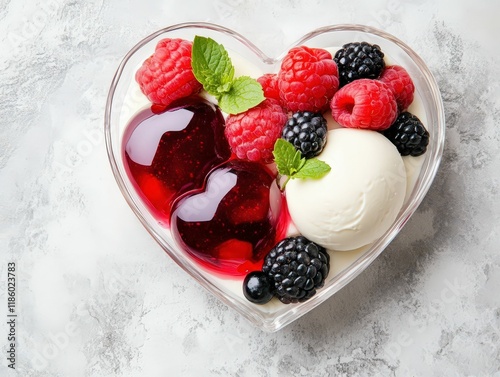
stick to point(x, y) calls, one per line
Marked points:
point(358, 200)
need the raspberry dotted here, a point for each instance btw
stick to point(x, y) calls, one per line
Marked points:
point(167, 74)
point(408, 134)
point(364, 103)
point(401, 84)
point(359, 60)
point(308, 79)
point(252, 134)
point(269, 82)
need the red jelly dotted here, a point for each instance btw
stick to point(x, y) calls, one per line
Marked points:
point(226, 213)
point(171, 152)
point(232, 223)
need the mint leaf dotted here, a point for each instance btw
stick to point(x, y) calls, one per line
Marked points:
point(244, 94)
point(286, 157)
point(313, 168)
point(223, 89)
point(211, 63)
point(290, 163)
point(212, 67)
point(211, 84)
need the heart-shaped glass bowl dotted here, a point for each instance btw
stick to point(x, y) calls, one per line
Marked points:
point(125, 100)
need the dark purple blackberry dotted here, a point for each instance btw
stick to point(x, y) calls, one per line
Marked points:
point(257, 288)
point(307, 132)
point(296, 267)
point(359, 60)
point(408, 134)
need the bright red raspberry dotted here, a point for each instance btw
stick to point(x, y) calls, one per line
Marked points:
point(269, 82)
point(308, 79)
point(167, 74)
point(401, 84)
point(252, 134)
point(365, 103)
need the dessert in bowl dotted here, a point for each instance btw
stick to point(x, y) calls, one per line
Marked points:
point(271, 225)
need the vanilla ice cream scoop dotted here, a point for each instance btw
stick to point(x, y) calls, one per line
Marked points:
point(358, 200)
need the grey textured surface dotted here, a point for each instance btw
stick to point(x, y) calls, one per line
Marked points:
point(98, 297)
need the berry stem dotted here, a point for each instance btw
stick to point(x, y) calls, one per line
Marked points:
point(279, 179)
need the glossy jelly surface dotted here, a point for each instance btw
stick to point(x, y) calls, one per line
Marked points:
point(170, 153)
point(232, 223)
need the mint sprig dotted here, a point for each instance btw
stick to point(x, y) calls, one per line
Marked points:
point(213, 68)
point(291, 164)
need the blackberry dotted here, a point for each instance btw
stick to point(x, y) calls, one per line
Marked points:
point(359, 60)
point(296, 267)
point(408, 134)
point(307, 132)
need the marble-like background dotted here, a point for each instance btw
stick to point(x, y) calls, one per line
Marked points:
point(98, 297)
